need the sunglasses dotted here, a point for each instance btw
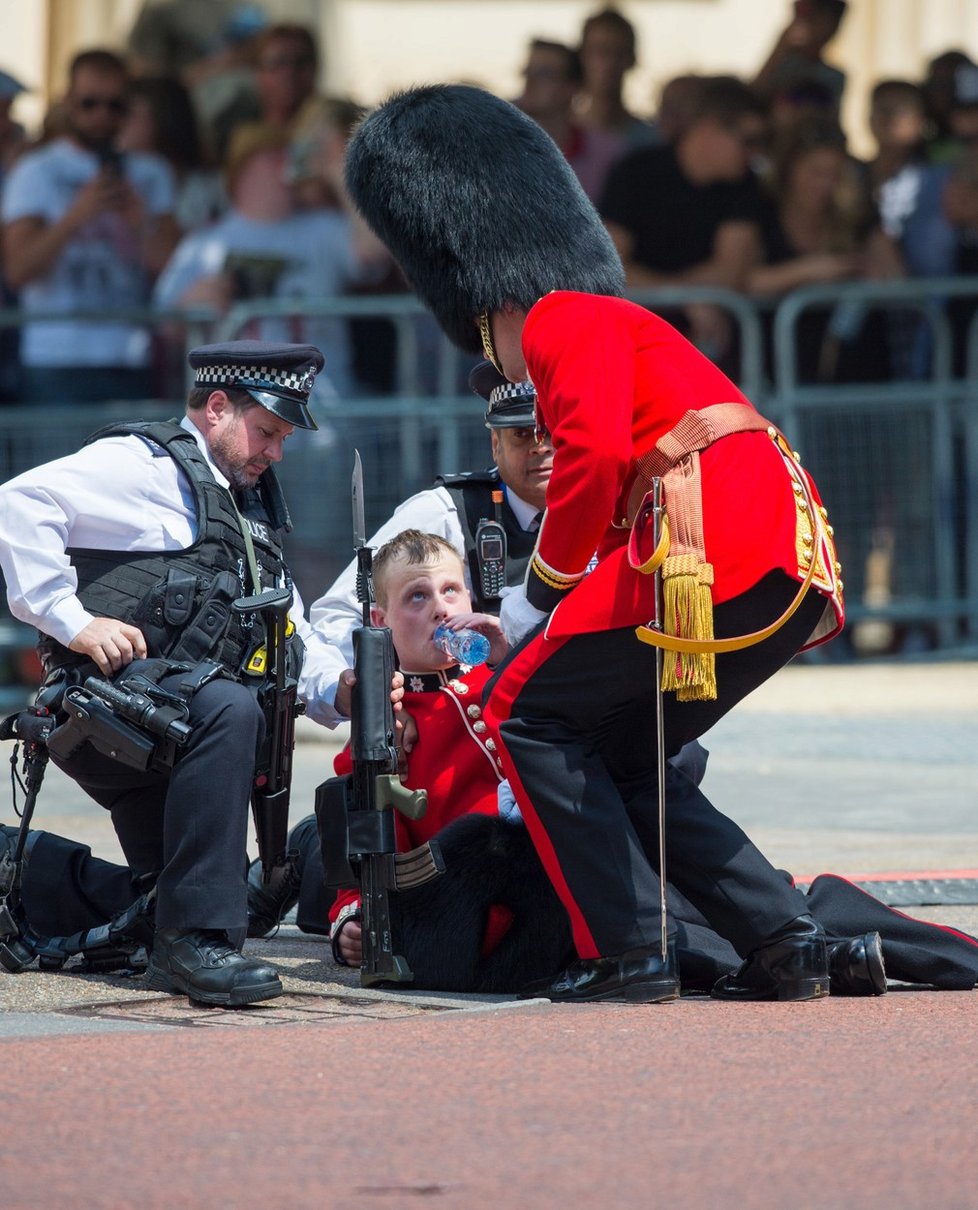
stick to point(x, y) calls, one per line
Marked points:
point(116, 105)
point(277, 62)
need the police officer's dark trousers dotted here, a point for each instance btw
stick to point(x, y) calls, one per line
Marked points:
point(578, 724)
point(189, 824)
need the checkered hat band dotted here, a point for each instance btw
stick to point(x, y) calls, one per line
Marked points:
point(513, 392)
point(254, 376)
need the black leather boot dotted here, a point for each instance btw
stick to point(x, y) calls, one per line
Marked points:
point(206, 967)
point(637, 976)
point(856, 966)
point(791, 965)
point(269, 902)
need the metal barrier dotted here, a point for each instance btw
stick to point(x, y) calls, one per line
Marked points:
point(427, 362)
point(195, 325)
point(889, 457)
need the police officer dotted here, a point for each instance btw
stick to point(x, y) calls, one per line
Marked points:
point(130, 552)
point(453, 508)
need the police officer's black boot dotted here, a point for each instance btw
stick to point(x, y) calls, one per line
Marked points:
point(205, 966)
point(790, 965)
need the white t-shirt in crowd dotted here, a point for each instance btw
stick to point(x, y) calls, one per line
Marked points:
point(99, 269)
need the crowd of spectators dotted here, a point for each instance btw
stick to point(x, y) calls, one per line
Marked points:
point(200, 166)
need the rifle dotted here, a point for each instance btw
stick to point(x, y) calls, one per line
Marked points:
point(356, 813)
point(272, 787)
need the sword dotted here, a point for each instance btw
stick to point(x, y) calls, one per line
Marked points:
point(660, 745)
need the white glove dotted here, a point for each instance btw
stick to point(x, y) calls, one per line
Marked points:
point(517, 616)
point(507, 804)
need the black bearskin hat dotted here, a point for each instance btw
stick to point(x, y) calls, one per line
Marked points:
point(477, 205)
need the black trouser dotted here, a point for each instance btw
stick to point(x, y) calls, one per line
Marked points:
point(580, 739)
point(66, 890)
point(188, 824)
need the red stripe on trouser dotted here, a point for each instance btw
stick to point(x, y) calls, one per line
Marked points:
point(497, 710)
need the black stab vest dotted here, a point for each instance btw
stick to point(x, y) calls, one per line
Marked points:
point(472, 493)
point(181, 599)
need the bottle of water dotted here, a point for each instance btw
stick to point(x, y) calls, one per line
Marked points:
point(467, 646)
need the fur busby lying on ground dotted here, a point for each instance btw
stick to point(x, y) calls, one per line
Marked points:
point(477, 205)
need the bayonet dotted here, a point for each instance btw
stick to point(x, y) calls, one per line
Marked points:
point(365, 588)
point(359, 524)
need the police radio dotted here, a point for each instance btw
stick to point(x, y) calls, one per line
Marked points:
point(490, 550)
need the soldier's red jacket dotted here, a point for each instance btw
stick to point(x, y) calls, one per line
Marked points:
point(612, 378)
point(454, 759)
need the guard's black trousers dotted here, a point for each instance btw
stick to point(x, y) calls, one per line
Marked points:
point(190, 824)
point(578, 722)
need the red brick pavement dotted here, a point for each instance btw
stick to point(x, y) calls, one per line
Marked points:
point(868, 1103)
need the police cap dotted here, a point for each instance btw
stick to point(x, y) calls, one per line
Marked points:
point(278, 376)
point(512, 405)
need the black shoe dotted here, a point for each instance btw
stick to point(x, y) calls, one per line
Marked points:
point(205, 966)
point(637, 976)
point(792, 965)
point(269, 902)
point(856, 966)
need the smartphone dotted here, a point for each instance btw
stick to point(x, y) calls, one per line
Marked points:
point(111, 160)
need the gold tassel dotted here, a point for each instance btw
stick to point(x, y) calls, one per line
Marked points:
point(688, 608)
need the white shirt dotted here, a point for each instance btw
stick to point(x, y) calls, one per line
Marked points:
point(337, 613)
point(116, 494)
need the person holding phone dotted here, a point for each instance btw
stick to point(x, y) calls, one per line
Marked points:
point(87, 229)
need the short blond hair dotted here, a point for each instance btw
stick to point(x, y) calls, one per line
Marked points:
point(413, 547)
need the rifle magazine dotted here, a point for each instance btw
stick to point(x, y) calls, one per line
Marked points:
point(418, 866)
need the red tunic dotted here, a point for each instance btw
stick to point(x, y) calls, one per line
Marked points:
point(454, 758)
point(611, 379)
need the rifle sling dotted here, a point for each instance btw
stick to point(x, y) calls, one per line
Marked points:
point(249, 547)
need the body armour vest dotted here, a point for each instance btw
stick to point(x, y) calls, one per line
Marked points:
point(181, 599)
point(472, 493)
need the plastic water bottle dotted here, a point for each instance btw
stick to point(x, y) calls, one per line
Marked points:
point(467, 646)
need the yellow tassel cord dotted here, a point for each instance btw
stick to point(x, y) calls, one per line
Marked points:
point(688, 608)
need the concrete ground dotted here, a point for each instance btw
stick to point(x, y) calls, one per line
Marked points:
point(116, 1097)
